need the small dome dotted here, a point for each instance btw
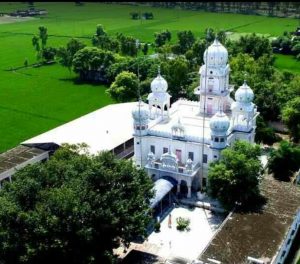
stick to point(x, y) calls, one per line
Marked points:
point(159, 84)
point(216, 54)
point(140, 113)
point(219, 122)
point(244, 94)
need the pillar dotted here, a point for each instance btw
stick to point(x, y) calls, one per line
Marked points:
point(189, 195)
point(178, 188)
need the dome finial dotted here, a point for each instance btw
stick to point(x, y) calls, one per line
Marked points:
point(158, 70)
point(245, 78)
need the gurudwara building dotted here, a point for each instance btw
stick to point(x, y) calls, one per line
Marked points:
point(178, 141)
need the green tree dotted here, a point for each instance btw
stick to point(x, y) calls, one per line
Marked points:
point(145, 49)
point(186, 40)
point(39, 42)
point(92, 63)
point(162, 37)
point(284, 161)
point(235, 177)
point(128, 45)
point(66, 54)
point(49, 53)
point(75, 208)
point(291, 117)
point(176, 73)
point(265, 134)
point(125, 87)
point(103, 41)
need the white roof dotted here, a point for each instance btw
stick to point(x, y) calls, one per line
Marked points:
point(188, 112)
point(103, 129)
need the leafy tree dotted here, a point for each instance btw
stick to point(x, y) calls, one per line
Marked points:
point(162, 37)
point(291, 117)
point(284, 161)
point(265, 134)
point(176, 73)
point(103, 41)
point(186, 40)
point(66, 54)
point(92, 63)
point(234, 178)
point(74, 208)
point(125, 87)
point(252, 44)
point(145, 49)
point(128, 45)
point(134, 15)
point(198, 49)
point(49, 53)
point(39, 42)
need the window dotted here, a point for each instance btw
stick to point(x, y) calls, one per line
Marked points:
point(191, 156)
point(215, 156)
point(222, 140)
point(137, 143)
point(165, 150)
point(152, 149)
point(204, 158)
point(216, 139)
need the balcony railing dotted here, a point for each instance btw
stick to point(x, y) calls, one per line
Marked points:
point(178, 167)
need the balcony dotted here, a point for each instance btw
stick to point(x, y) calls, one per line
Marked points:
point(176, 167)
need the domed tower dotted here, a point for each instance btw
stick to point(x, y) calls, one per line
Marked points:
point(244, 113)
point(214, 86)
point(219, 125)
point(140, 115)
point(159, 98)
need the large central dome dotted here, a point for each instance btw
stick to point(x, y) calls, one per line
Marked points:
point(216, 54)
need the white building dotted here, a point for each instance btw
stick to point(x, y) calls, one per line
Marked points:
point(180, 140)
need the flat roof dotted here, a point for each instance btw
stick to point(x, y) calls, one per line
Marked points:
point(103, 129)
point(188, 113)
point(257, 234)
point(16, 156)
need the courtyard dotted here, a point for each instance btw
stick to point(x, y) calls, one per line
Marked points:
point(170, 243)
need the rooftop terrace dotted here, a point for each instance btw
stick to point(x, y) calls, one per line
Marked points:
point(257, 234)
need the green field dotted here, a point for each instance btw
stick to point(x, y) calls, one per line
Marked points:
point(35, 100)
point(288, 63)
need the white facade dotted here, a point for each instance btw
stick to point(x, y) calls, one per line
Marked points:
point(181, 139)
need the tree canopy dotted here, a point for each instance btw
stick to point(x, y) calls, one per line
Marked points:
point(291, 116)
point(235, 177)
point(125, 87)
point(91, 63)
point(284, 161)
point(74, 208)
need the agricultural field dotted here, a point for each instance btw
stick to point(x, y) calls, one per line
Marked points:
point(34, 100)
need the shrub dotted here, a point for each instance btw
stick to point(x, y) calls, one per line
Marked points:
point(157, 226)
point(182, 223)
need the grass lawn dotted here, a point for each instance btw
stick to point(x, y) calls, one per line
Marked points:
point(35, 100)
point(288, 63)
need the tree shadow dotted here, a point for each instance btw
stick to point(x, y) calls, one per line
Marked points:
point(78, 81)
point(255, 205)
point(139, 257)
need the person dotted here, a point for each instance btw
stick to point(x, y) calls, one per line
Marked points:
point(170, 221)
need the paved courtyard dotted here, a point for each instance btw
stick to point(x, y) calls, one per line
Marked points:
point(170, 243)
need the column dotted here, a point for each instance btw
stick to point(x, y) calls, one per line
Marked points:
point(178, 188)
point(189, 195)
